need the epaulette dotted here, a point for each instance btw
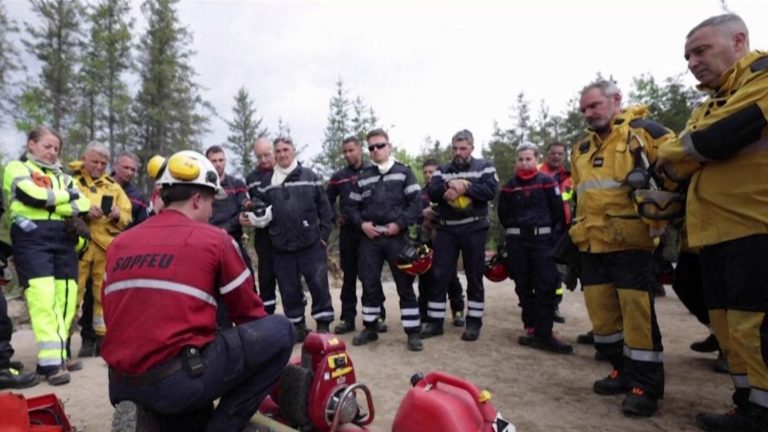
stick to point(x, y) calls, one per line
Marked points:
point(584, 146)
point(655, 130)
point(759, 65)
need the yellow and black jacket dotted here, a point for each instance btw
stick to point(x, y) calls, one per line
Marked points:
point(41, 193)
point(724, 151)
point(606, 219)
point(103, 229)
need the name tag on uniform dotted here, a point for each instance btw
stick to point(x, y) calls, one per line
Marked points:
point(598, 162)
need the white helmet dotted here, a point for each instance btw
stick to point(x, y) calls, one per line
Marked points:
point(186, 167)
point(260, 221)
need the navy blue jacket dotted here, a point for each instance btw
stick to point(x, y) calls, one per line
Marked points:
point(340, 186)
point(532, 203)
point(480, 173)
point(383, 199)
point(139, 203)
point(226, 211)
point(301, 214)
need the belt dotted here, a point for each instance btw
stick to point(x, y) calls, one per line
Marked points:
point(151, 376)
point(529, 231)
point(450, 222)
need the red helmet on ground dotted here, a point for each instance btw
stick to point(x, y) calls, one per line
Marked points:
point(496, 268)
point(415, 260)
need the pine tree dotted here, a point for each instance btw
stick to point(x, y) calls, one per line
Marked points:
point(670, 103)
point(245, 129)
point(105, 106)
point(342, 125)
point(165, 113)
point(55, 38)
point(9, 64)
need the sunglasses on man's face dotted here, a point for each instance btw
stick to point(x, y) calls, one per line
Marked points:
point(379, 146)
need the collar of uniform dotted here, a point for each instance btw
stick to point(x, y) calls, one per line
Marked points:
point(620, 121)
point(732, 75)
point(463, 167)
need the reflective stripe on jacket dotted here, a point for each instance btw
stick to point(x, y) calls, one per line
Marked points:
point(606, 219)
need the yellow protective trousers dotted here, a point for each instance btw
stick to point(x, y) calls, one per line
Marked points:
point(91, 266)
point(736, 291)
point(47, 267)
point(618, 293)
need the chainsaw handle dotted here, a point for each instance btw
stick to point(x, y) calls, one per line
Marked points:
point(487, 409)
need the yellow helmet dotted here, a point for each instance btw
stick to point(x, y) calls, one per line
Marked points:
point(462, 202)
point(185, 167)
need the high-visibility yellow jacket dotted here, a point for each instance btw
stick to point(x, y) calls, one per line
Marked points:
point(725, 149)
point(41, 193)
point(606, 219)
point(103, 230)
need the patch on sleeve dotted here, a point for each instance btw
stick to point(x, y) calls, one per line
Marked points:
point(758, 65)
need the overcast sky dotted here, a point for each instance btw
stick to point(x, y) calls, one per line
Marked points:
point(427, 68)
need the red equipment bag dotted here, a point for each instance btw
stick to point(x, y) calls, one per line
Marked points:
point(38, 414)
point(445, 403)
point(46, 414)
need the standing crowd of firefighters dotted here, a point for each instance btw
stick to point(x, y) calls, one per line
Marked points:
point(173, 295)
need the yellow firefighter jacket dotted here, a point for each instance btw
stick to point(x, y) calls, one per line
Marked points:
point(103, 229)
point(725, 148)
point(606, 219)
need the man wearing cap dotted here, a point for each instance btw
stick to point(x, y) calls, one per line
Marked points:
point(461, 190)
point(167, 363)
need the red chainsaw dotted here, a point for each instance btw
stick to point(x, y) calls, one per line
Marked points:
point(319, 392)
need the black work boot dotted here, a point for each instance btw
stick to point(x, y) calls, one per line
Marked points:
point(345, 326)
point(553, 345)
point(367, 335)
point(458, 319)
point(323, 327)
point(587, 338)
point(742, 419)
point(381, 326)
point(615, 383)
point(300, 330)
point(414, 342)
point(639, 403)
point(471, 333)
point(88, 348)
point(430, 329)
point(707, 345)
point(11, 378)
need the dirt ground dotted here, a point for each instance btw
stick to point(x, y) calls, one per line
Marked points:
point(537, 391)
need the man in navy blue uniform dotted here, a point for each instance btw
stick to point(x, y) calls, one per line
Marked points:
point(339, 187)
point(426, 234)
point(300, 227)
point(265, 160)
point(383, 203)
point(461, 190)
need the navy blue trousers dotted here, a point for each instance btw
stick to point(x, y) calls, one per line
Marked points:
point(242, 365)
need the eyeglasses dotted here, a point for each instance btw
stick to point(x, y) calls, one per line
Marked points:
point(263, 156)
point(378, 146)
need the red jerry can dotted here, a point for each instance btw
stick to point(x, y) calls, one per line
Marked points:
point(445, 403)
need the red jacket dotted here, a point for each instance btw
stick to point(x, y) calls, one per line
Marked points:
point(563, 178)
point(162, 281)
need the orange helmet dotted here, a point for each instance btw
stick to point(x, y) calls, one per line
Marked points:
point(415, 260)
point(496, 268)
